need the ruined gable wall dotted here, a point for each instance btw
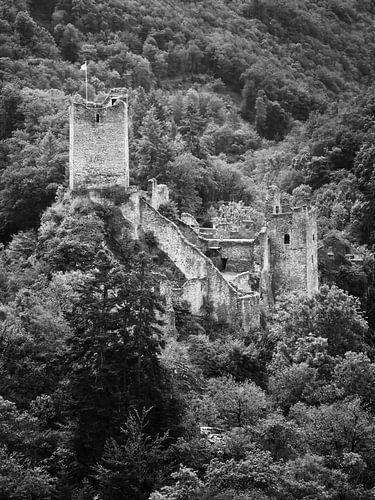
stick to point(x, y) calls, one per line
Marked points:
point(98, 150)
point(240, 254)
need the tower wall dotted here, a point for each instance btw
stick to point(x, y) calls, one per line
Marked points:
point(293, 251)
point(99, 154)
point(312, 278)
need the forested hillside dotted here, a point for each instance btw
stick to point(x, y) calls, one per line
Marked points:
point(226, 97)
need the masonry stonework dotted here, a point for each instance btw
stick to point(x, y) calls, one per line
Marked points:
point(293, 248)
point(237, 276)
point(99, 142)
point(159, 193)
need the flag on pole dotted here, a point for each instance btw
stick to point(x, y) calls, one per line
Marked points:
point(84, 68)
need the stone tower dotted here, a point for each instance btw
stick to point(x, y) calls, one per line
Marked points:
point(293, 248)
point(99, 150)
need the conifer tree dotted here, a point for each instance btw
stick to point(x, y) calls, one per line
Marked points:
point(113, 364)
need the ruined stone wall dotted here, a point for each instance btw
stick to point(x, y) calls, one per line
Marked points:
point(264, 262)
point(194, 291)
point(98, 145)
point(131, 210)
point(159, 193)
point(223, 296)
point(206, 281)
point(242, 282)
point(183, 254)
point(192, 236)
point(250, 311)
point(239, 254)
point(190, 221)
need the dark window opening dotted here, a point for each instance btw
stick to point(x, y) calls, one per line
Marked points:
point(223, 264)
point(97, 118)
point(277, 210)
point(113, 101)
point(313, 237)
point(286, 239)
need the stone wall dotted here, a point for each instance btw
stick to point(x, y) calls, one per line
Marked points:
point(250, 311)
point(131, 210)
point(242, 282)
point(204, 280)
point(188, 259)
point(312, 279)
point(265, 285)
point(159, 193)
point(239, 254)
point(190, 221)
point(194, 291)
point(191, 235)
point(98, 145)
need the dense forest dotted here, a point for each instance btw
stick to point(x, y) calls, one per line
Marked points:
point(226, 97)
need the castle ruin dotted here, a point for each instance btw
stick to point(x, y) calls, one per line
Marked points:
point(236, 275)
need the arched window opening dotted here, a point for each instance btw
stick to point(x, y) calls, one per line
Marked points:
point(286, 239)
point(97, 118)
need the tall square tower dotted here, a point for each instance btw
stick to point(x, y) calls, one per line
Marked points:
point(293, 246)
point(99, 149)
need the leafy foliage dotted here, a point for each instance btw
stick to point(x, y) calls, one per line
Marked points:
point(226, 98)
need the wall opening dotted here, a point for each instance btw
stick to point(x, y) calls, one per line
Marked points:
point(223, 264)
point(113, 101)
point(313, 237)
point(286, 239)
point(97, 118)
point(277, 209)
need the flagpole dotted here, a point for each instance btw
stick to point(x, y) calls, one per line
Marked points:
point(86, 80)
